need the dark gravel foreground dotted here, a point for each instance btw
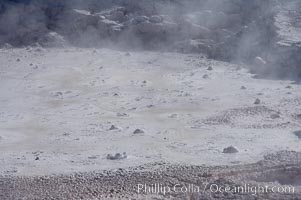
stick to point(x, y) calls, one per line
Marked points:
point(277, 170)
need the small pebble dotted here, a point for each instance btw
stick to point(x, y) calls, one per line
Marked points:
point(138, 131)
point(118, 156)
point(113, 128)
point(206, 76)
point(275, 116)
point(230, 149)
point(257, 101)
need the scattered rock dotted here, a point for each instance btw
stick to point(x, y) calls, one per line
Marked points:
point(122, 115)
point(140, 19)
point(260, 61)
point(138, 131)
point(18, 60)
point(230, 149)
point(205, 76)
point(113, 128)
point(37, 158)
point(210, 68)
point(257, 101)
point(243, 88)
point(155, 19)
point(117, 156)
point(298, 134)
point(275, 116)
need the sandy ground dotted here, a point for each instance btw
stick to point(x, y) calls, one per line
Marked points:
point(58, 105)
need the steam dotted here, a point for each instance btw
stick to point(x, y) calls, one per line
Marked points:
point(231, 30)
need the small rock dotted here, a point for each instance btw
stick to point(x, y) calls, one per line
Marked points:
point(155, 19)
point(58, 94)
point(122, 115)
point(275, 116)
point(37, 158)
point(144, 82)
point(260, 61)
point(298, 134)
point(113, 128)
point(298, 116)
point(243, 88)
point(257, 101)
point(127, 54)
point(18, 60)
point(230, 149)
point(288, 87)
point(117, 156)
point(138, 131)
point(206, 76)
point(210, 68)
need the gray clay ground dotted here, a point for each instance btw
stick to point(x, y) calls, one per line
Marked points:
point(64, 110)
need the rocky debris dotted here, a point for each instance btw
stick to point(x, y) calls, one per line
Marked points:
point(230, 149)
point(210, 68)
point(92, 157)
point(275, 116)
point(52, 39)
point(37, 158)
point(257, 102)
point(122, 115)
point(156, 19)
point(298, 134)
point(119, 183)
point(58, 94)
point(139, 19)
point(205, 76)
point(260, 61)
point(138, 131)
point(220, 29)
point(113, 127)
point(117, 156)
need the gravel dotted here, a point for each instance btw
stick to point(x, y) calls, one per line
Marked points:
point(123, 183)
